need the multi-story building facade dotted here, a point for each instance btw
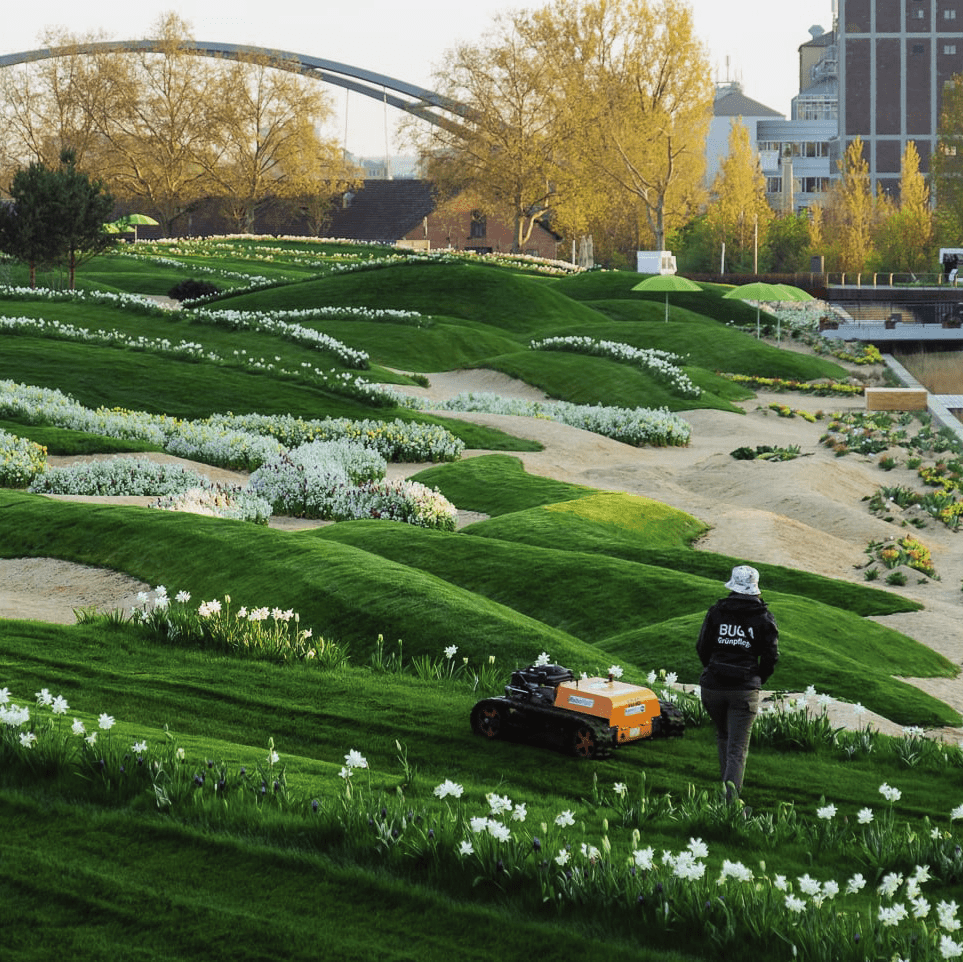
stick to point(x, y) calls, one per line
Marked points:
point(795, 155)
point(895, 56)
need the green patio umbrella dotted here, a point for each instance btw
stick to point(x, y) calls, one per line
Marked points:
point(760, 291)
point(130, 222)
point(667, 283)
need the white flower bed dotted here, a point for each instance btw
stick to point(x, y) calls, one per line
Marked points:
point(339, 382)
point(299, 482)
point(117, 477)
point(242, 441)
point(394, 440)
point(340, 481)
point(290, 331)
point(219, 500)
point(636, 426)
point(137, 302)
point(662, 364)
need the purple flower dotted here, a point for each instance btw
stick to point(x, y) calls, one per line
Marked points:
point(536, 844)
point(314, 805)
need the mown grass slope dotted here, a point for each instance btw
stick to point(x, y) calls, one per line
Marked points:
point(593, 578)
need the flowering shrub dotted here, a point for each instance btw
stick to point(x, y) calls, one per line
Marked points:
point(663, 365)
point(636, 426)
point(21, 461)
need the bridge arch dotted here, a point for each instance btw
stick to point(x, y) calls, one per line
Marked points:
point(426, 104)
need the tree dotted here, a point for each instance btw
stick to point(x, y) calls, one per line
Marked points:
point(635, 88)
point(849, 214)
point(788, 242)
point(85, 206)
point(946, 164)
point(53, 104)
point(156, 133)
point(503, 149)
point(26, 229)
point(265, 122)
point(905, 239)
point(57, 216)
point(738, 212)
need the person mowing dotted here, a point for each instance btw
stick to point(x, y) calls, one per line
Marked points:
point(738, 646)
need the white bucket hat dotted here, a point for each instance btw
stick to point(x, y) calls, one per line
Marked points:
point(745, 580)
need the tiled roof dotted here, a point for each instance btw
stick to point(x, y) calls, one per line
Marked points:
point(384, 210)
point(734, 103)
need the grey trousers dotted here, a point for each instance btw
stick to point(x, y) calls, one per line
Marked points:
point(732, 712)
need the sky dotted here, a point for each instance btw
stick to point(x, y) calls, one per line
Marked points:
point(753, 41)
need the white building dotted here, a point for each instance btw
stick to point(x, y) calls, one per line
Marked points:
point(796, 156)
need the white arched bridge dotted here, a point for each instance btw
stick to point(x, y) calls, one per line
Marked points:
point(426, 104)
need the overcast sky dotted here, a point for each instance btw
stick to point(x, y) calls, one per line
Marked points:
point(754, 41)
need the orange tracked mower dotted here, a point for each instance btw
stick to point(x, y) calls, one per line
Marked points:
point(589, 716)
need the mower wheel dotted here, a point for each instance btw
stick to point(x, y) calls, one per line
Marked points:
point(671, 721)
point(584, 741)
point(488, 719)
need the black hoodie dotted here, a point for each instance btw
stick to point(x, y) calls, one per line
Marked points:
point(738, 644)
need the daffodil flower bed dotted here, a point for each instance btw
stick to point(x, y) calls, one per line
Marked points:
point(340, 382)
point(820, 388)
point(218, 500)
point(591, 856)
point(21, 461)
point(134, 303)
point(280, 324)
point(663, 365)
point(636, 426)
point(116, 477)
point(264, 632)
point(785, 411)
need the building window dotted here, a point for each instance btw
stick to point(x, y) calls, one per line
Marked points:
point(478, 225)
point(949, 48)
point(774, 185)
point(949, 14)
